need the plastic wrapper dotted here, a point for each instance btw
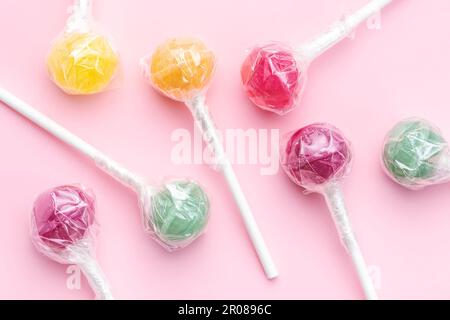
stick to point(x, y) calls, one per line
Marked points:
point(273, 77)
point(176, 213)
point(316, 155)
point(416, 155)
point(81, 60)
point(180, 68)
point(274, 74)
point(63, 228)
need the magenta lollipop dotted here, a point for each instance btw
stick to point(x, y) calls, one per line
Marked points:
point(274, 73)
point(63, 229)
point(317, 157)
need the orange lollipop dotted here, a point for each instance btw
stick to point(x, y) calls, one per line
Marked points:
point(182, 68)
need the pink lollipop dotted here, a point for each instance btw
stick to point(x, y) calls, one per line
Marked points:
point(274, 74)
point(317, 157)
point(62, 229)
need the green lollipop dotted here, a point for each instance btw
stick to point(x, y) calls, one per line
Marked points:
point(413, 152)
point(179, 213)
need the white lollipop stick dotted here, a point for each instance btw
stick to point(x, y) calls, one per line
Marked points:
point(335, 201)
point(92, 272)
point(206, 125)
point(110, 166)
point(311, 50)
point(81, 15)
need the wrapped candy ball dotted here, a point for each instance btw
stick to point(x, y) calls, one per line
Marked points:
point(415, 154)
point(272, 77)
point(62, 218)
point(61, 227)
point(181, 68)
point(178, 213)
point(315, 155)
point(82, 63)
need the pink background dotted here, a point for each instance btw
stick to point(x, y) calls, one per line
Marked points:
point(363, 86)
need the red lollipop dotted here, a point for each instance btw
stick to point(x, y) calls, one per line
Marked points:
point(274, 74)
point(63, 217)
point(317, 157)
point(62, 229)
point(272, 78)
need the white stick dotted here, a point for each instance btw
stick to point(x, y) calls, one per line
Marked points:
point(311, 50)
point(336, 205)
point(206, 125)
point(104, 162)
point(96, 278)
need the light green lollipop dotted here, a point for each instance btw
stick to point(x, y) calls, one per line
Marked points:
point(179, 213)
point(414, 154)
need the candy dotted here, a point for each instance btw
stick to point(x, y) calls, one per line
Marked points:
point(63, 216)
point(181, 68)
point(317, 157)
point(82, 63)
point(274, 74)
point(179, 212)
point(61, 229)
point(316, 154)
point(414, 154)
point(272, 78)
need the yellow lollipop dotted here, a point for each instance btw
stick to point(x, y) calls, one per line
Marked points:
point(181, 68)
point(82, 63)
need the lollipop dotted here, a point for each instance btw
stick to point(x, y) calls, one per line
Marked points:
point(274, 74)
point(175, 214)
point(416, 155)
point(81, 61)
point(181, 69)
point(317, 157)
point(62, 229)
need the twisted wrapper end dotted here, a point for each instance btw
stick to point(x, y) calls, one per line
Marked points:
point(80, 18)
point(80, 255)
point(335, 201)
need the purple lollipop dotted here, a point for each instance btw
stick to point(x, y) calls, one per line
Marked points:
point(317, 157)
